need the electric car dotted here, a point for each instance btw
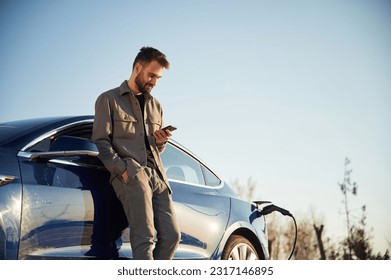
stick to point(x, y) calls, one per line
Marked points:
point(56, 201)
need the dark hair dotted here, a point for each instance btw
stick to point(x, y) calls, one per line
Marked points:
point(148, 54)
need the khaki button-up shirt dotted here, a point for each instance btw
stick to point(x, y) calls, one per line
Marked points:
point(118, 131)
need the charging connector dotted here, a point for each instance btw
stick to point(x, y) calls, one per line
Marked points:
point(270, 208)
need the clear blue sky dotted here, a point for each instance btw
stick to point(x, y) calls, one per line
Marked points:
point(280, 91)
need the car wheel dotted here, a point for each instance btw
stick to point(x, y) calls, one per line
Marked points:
point(239, 248)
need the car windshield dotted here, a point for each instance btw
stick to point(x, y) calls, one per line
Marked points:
point(11, 130)
point(15, 130)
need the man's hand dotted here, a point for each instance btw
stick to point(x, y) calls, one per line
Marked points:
point(161, 136)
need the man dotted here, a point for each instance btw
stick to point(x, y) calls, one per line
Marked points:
point(128, 133)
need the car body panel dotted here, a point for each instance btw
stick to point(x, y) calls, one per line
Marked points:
point(245, 220)
point(202, 218)
point(10, 204)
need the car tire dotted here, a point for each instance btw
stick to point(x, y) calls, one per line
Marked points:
point(239, 248)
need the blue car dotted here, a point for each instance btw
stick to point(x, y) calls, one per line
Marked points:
point(56, 201)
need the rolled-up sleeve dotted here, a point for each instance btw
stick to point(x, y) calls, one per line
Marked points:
point(102, 136)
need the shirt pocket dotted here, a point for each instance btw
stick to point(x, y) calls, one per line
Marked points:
point(124, 125)
point(154, 123)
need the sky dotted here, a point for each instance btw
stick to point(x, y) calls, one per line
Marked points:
point(277, 91)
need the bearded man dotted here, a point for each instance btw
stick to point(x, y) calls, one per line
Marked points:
point(129, 136)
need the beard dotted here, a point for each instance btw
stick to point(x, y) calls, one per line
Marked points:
point(142, 85)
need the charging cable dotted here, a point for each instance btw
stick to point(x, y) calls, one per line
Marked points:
point(268, 209)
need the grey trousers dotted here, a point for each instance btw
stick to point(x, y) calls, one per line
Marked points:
point(148, 206)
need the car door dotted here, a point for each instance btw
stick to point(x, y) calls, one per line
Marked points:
point(68, 203)
point(202, 212)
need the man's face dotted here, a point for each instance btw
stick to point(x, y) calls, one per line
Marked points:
point(147, 78)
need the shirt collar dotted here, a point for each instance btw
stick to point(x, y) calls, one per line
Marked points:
point(124, 89)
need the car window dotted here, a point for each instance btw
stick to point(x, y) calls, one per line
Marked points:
point(80, 131)
point(182, 167)
point(210, 178)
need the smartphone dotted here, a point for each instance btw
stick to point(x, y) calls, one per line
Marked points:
point(169, 127)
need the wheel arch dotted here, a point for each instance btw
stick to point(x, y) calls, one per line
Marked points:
point(250, 235)
point(244, 230)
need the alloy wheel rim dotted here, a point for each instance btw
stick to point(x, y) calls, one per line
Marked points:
point(242, 251)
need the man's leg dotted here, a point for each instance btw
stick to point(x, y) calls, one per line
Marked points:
point(136, 198)
point(168, 232)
